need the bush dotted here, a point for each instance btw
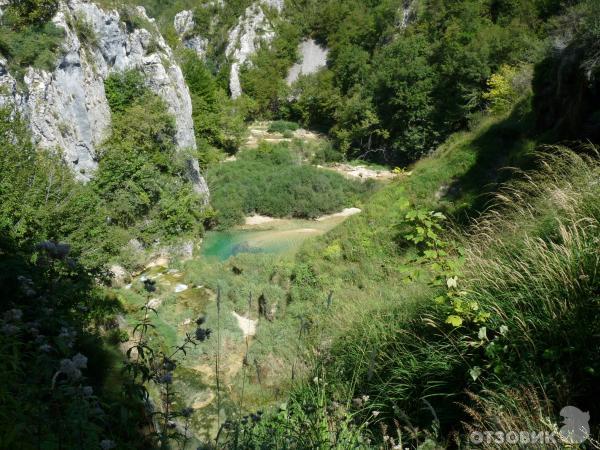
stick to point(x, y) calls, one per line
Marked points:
point(123, 89)
point(281, 126)
point(272, 181)
point(37, 46)
point(84, 30)
point(34, 12)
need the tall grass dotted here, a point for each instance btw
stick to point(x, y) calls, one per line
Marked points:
point(532, 263)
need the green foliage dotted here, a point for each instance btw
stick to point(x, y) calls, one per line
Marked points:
point(566, 83)
point(308, 420)
point(123, 89)
point(53, 352)
point(218, 121)
point(282, 126)
point(368, 98)
point(140, 177)
point(84, 30)
point(35, 45)
point(272, 181)
point(33, 12)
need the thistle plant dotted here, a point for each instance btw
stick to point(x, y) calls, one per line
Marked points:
point(147, 365)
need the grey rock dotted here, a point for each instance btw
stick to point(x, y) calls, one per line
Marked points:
point(67, 108)
point(184, 27)
point(184, 22)
point(252, 30)
point(313, 59)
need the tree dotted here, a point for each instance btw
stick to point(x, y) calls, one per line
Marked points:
point(34, 12)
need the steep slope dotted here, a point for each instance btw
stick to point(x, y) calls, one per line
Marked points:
point(67, 108)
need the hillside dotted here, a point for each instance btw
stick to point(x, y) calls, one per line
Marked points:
point(299, 224)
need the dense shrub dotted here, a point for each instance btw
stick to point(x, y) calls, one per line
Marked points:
point(281, 126)
point(218, 121)
point(33, 12)
point(368, 98)
point(273, 181)
point(123, 89)
point(35, 45)
point(567, 82)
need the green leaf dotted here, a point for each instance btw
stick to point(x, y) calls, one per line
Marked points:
point(455, 321)
point(475, 372)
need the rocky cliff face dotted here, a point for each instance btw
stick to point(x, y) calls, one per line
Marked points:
point(68, 109)
point(184, 27)
point(252, 30)
point(313, 58)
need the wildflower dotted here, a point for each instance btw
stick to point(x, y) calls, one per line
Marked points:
point(169, 364)
point(357, 402)
point(107, 444)
point(68, 367)
point(187, 412)
point(66, 332)
point(376, 413)
point(365, 398)
point(149, 285)
point(46, 348)
point(452, 282)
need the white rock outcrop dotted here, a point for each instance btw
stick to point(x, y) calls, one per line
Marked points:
point(67, 108)
point(313, 58)
point(252, 30)
point(184, 27)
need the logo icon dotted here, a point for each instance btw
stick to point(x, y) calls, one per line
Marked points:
point(576, 428)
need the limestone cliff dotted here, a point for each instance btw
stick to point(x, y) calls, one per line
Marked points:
point(67, 108)
point(313, 58)
point(252, 30)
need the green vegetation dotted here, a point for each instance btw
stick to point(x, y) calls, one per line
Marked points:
point(28, 41)
point(282, 126)
point(274, 181)
point(433, 340)
point(369, 99)
point(218, 121)
point(464, 297)
point(33, 12)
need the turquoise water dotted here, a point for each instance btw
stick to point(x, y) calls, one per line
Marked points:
point(278, 236)
point(225, 244)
